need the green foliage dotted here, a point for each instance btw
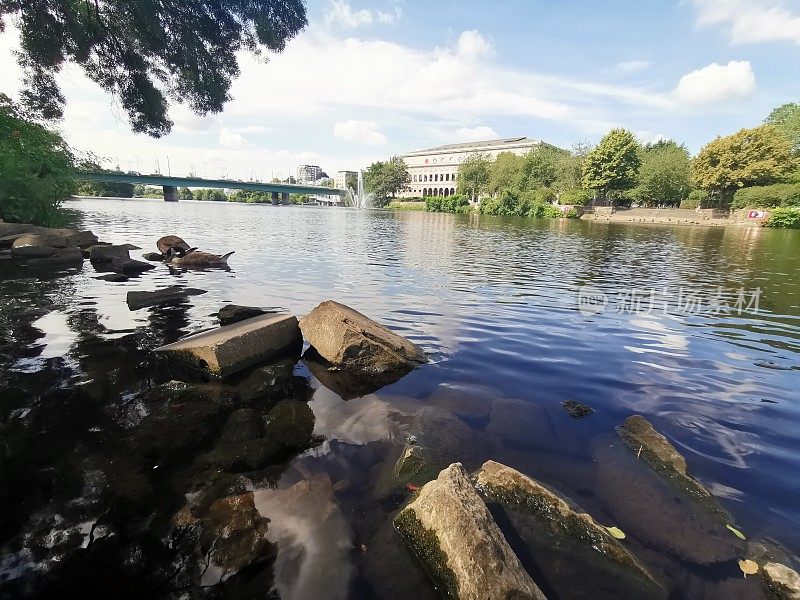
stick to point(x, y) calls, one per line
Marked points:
point(786, 119)
point(664, 175)
point(36, 170)
point(145, 52)
point(540, 167)
point(759, 156)
point(788, 218)
point(386, 179)
point(614, 164)
point(572, 213)
point(251, 197)
point(767, 196)
point(211, 195)
point(510, 203)
point(577, 197)
point(153, 191)
point(449, 204)
point(139, 190)
point(474, 175)
point(102, 188)
point(696, 199)
point(185, 193)
point(506, 172)
point(414, 206)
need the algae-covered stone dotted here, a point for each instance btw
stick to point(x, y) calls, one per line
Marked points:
point(577, 410)
point(566, 527)
point(783, 582)
point(450, 530)
point(652, 447)
point(354, 342)
point(415, 465)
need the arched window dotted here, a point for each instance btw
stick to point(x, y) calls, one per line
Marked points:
point(446, 192)
point(426, 178)
point(452, 191)
point(435, 192)
point(436, 177)
point(447, 176)
point(424, 192)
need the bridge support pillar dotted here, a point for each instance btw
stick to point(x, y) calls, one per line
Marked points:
point(276, 198)
point(285, 198)
point(170, 193)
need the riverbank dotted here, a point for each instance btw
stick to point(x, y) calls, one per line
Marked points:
point(678, 216)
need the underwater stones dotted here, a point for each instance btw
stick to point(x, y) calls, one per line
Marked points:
point(415, 465)
point(233, 313)
point(165, 296)
point(115, 277)
point(576, 410)
point(129, 266)
point(652, 447)
point(564, 526)
point(450, 530)
point(227, 350)
point(346, 338)
point(783, 582)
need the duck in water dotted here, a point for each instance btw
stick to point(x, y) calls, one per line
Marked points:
point(194, 258)
point(171, 241)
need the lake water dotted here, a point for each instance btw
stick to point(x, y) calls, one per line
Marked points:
point(94, 469)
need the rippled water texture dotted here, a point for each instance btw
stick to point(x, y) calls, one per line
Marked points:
point(494, 304)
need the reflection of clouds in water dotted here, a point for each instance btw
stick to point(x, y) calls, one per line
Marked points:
point(665, 337)
point(358, 421)
point(313, 537)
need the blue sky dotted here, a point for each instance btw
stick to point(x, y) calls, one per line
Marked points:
point(367, 80)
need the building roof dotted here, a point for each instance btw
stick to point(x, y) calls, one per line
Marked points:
point(488, 145)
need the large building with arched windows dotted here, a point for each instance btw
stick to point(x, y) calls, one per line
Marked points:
point(433, 172)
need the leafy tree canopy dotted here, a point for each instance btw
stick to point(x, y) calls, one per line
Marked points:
point(146, 51)
point(506, 173)
point(758, 156)
point(614, 164)
point(387, 178)
point(665, 174)
point(474, 174)
point(786, 119)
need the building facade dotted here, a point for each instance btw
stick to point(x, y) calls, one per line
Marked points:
point(308, 173)
point(433, 172)
point(340, 180)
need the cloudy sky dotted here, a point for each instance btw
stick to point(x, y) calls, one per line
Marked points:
point(367, 80)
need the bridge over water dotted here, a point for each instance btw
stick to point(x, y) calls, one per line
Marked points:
point(280, 191)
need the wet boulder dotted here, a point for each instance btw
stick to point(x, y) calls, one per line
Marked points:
point(67, 257)
point(570, 544)
point(233, 313)
point(652, 447)
point(102, 253)
point(163, 297)
point(30, 252)
point(450, 530)
point(783, 582)
point(227, 350)
point(129, 266)
point(153, 256)
point(349, 340)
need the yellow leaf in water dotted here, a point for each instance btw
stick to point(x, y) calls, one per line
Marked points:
point(736, 532)
point(748, 567)
point(616, 532)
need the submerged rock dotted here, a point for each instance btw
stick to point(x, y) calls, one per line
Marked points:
point(783, 582)
point(116, 277)
point(129, 266)
point(566, 538)
point(233, 313)
point(347, 384)
point(229, 349)
point(656, 451)
point(576, 410)
point(415, 465)
point(153, 256)
point(346, 338)
point(105, 253)
point(450, 530)
point(68, 257)
point(168, 295)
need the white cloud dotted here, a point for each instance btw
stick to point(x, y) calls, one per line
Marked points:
point(231, 140)
point(341, 14)
point(363, 132)
point(716, 83)
point(472, 45)
point(632, 66)
point(752, 21)
point(474, 134)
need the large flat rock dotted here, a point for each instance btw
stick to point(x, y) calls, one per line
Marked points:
point(452, 533)
point(354, 342)
point(163, 297)
point(783, 582)
point(229, 349)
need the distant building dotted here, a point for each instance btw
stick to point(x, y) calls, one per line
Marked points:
point(433, 172)
point(309, 173)
point(340, 181)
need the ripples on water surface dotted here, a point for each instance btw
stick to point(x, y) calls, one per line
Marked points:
point(493, 302)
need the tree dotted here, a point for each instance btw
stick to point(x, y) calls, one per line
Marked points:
point(185, 193)
point(505, 173)
point(144, 52)
point(665, 174)
point(569, 168)
point(473, 176)
point(786, 119)
point(539, 167)
point(104, 189)
point(37, 169)
point(613, 165)
point(385, 179)
point(758, 156)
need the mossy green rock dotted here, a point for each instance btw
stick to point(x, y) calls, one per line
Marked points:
point(450, 530)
